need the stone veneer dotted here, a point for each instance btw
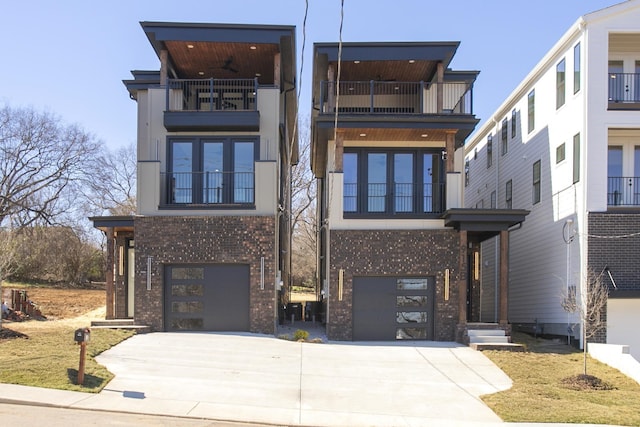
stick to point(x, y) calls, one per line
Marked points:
point(394, 253)
point(230, 239)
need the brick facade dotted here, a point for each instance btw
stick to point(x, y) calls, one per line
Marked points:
point(175, 240)
point(394, 253)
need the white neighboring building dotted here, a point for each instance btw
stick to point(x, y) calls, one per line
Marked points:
point(566, 146)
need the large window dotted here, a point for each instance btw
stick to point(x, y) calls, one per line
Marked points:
point(560, 83)
point(615, 187)
point(211, 171)
point(508, 195)
point(531, 107)
point(514, 123)
point(392, 182)
point(576, 68)
point(536, 182)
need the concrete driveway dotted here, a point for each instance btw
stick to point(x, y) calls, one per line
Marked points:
point(262, 379)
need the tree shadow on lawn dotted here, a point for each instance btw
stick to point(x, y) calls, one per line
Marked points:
point(91, 382)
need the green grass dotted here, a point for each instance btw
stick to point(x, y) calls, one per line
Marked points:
point(538, 394)
point(50, 358)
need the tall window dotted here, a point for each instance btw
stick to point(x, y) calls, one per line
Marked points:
point(466, 173)
point(615, 181)
point(576, 68)
point(536, 182)
point(560, 83)
point(392, 181)
point(493, 199)
point(489, 151)
point(504, 134)
point(508, 194)
point(531, 104)
point(576, 158)
point(211, 171)
point(514, 123)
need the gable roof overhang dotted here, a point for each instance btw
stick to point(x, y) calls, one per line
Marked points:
point(483, 224)
point(117, 223)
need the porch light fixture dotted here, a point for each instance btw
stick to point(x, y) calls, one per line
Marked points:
point(476, 265)
point(446, 284)
point(121, 260)
point(252, 47)
point(356, 62)
point(340, 283)
point(190, 46)
point(201, 73)
point(258, 75)
point(363, 135)
point(424, 135)
point(412, 61)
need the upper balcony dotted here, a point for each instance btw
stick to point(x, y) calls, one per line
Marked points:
point(396, 98)
point(212, 104)
point(623, 191)
point(624, 91)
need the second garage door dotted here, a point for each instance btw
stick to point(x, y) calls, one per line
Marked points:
point(207, 297)
point(390, 308)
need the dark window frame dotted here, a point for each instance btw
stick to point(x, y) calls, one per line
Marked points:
point(537, 182)
point(504, 132)
point(489, 151)
point(508, 194)
point(531, 111)
point(514, 123)
point(229, 179)
point(419, 197)
point(576, 68)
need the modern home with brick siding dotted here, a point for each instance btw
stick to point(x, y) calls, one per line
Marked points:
point(396, 247)
point(208, 247)
point(565, 145)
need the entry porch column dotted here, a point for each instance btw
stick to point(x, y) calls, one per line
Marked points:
point(504, 277)
point(109, 287)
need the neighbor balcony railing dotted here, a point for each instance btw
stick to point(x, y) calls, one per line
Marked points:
point(624, 87)
point(377, 97)
point(211, 94)
point(623, 191)
point(209, 188)
point(396, 198)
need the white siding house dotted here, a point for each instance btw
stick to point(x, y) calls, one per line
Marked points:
point(566, 146)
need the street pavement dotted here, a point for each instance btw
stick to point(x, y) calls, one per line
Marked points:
point(261, 379)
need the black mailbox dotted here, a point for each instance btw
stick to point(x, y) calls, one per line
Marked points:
point(82, 335)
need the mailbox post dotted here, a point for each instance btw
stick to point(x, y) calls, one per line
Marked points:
point(82, 337)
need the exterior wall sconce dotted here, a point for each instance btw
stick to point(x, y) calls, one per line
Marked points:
point(476, 265)
point(446, 284)
point(121, 260)
point(340, 283)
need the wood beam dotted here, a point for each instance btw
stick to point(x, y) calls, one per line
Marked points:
point(109, 287)
point(440, 88)
point(276, 69)
point(331, 89)
point(504, 277)
point(451, 151)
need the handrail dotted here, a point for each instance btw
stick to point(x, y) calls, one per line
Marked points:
point(623, 191)
point(624, 87)
point(211, 94)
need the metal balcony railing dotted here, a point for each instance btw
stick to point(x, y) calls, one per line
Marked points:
point(624, 87)
point(623, 191)
point(209, 188)
point(211, 94)
point(408, 198)
point(376, 97)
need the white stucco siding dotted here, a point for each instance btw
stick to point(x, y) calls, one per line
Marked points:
point(623, 318)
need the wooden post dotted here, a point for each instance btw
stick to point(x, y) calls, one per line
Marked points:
point(339, 152)
point(164, 65)
point(451, 150)
point(332, 90)
point(83, 353)
point(109, 287)
point(440, 88)
point(504, 276)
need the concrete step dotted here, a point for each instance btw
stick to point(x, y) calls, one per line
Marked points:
point(112, 322)
point(497, 346)
point(494, 339)
point(486, 332)
point(140, 329)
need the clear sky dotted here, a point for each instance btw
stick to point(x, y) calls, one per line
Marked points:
point(69, 57)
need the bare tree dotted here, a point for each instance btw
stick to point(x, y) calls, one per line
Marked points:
point(40, 159)
point(591, 308)
point(112, 186)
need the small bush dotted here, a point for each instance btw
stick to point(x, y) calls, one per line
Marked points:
point(300, 335)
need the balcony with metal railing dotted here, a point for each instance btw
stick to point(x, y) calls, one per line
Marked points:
point(208, 188)
point(410, 199)
point(211, 104)
point(624, 91)
point(379, 97)
point(623, 191)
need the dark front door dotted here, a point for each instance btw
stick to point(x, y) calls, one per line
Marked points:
point(392, 308)
point(209, 297)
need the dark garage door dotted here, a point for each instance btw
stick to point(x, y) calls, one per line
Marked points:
point(207, 297)
point(390, 308)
